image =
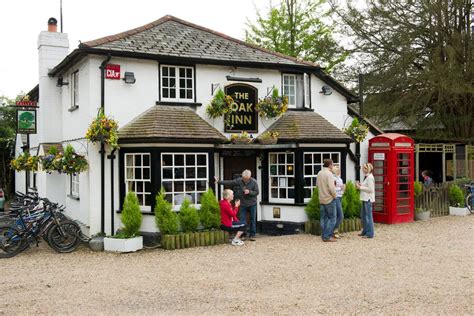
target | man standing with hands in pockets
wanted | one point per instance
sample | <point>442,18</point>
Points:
<point>246,189</point>
<point>327,200</point>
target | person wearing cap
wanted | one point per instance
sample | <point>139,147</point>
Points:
<point>367,196</point>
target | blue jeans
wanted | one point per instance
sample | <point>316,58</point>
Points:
<point>367,219</point>
<point>253,218</point>
<point>328,219</point>
<point>339,212</point>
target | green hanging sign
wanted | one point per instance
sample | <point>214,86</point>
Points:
<point>26,121</point>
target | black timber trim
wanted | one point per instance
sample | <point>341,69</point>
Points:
<point>299,177</point>
<point>176,103</point>
<point>150,140</point>
<point>243,79</point>
<point>155,164</point>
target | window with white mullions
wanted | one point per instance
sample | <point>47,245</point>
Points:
<point>281,177</point>
<point>297,88</point>
<point>75,89</point>
<point>74,185</point>
<point>138,178</point>
<point>177,83</point>
<point>312,164</point>
<point>184,176</point>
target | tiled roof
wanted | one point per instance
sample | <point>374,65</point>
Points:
<point>169,124</point>
<point>305,127</point>
<point>170,36</point>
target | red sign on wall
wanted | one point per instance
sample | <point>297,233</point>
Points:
<point>112,71</point>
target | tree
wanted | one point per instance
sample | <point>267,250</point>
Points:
<point>131,215</point>
<point>295,28</point>
<point>312,208</point>
<point>419,63</point>
<point>7,143</point>
<point>210,212</point>
<point>165,219</point>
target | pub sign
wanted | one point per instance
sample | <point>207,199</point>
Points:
<point>26,121</point>
<point>244,116</point>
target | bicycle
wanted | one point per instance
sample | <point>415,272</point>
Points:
<point>470,197</point>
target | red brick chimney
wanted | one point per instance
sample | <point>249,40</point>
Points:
<point>52,25</point>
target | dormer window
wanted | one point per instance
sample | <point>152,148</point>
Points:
<point>297,88</point>
<point>177,83</point>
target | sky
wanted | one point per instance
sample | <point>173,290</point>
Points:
<point>22,20</point>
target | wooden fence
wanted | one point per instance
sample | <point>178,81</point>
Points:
<point>436,200</point>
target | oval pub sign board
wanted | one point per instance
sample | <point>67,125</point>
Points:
<point>244,116</point>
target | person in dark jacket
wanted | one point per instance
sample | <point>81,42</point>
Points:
<point>247,191</point>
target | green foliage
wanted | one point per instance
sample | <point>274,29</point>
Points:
<point>418,188</point>
<point>456,196</point>
<point>418,61</point>
<point>358,131</point>
<point>312,208</point>
<point>131,215</point>
<point>210,213</point>
<point>7,143</point>
<point>165,219</point>
<point>189,217</point>
<point>351,203</point>
<point>296,28</point>
<point>273,106</point>
<point>221,105</point>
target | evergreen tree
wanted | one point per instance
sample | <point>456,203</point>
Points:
<point>351,203</point>
<point>165,219</point>
<point>312,208</point>
<point>210,213</point>
<point>131,215</point>
<point>7,143</point>
<point>296,28</point>
<point>188,216</point>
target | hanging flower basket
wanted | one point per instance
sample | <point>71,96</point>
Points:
<point>25,162</point>
<point>103,128</point>
<point>268,138</point>
<point>358,131</point>
<point>242,138</point>
<point>273,106</point>
<point>68,162</point>
<point>221,105</point>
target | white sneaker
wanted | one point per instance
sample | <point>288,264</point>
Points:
<point>237,242</point>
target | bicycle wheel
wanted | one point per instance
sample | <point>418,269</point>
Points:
<point>469,203</point>
<point>11,241</point>
<point>64,237</point>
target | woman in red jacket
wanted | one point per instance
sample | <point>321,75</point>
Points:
<point>229,219</point>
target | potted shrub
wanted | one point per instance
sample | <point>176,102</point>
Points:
<point>272,106</point>
<point>165,219</point>
<point>242,138</point>
<point>268,138</point>
<point>210,213</point>
<point>103,129</point>
<point>456,201</point>
<point>189,219</point>
<point>128,240</point>
<point>221,105</point>
<point>312,211</point>
<point>358,131</point>
<point>351,206</point>
<point>25,162</point>
<point>420,214</point>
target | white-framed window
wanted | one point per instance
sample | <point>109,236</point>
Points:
<point>177,83</point>
<point>138,178</point>
<point>75,89</point>
<point>281,170</point>
<point>297,88</point>
<point>312,164</point>
<point>74,185</point>
<point>184,175</point>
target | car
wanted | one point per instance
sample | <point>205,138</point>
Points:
<point>2,200</point>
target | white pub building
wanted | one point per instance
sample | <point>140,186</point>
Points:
<point>158,81</point>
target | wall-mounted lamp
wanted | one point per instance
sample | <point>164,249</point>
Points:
<point>326,90</point>
<point>61,82</point>
<point>129,77</point>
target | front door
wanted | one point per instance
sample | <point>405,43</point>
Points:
<point>234,165</point>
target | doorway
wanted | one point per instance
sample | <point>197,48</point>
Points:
<point>234,165</point>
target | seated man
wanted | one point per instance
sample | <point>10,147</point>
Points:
<point>229,220</point>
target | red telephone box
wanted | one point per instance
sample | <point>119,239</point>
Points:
<point>393,158</point>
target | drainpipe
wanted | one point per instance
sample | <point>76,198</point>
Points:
<point>102,147</point>
<point>112,211</point>
<point>361,104</point>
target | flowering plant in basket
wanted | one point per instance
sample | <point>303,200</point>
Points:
<point>268,138</point>
<point>221,105</point>
<point>272,106</point>
<point>25,162</point>
<point>103,128</point>
<point>358,131</point>
<point>242,138</point>
<point>70,162</point>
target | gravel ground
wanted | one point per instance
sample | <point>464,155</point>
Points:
<point>416,268</point>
